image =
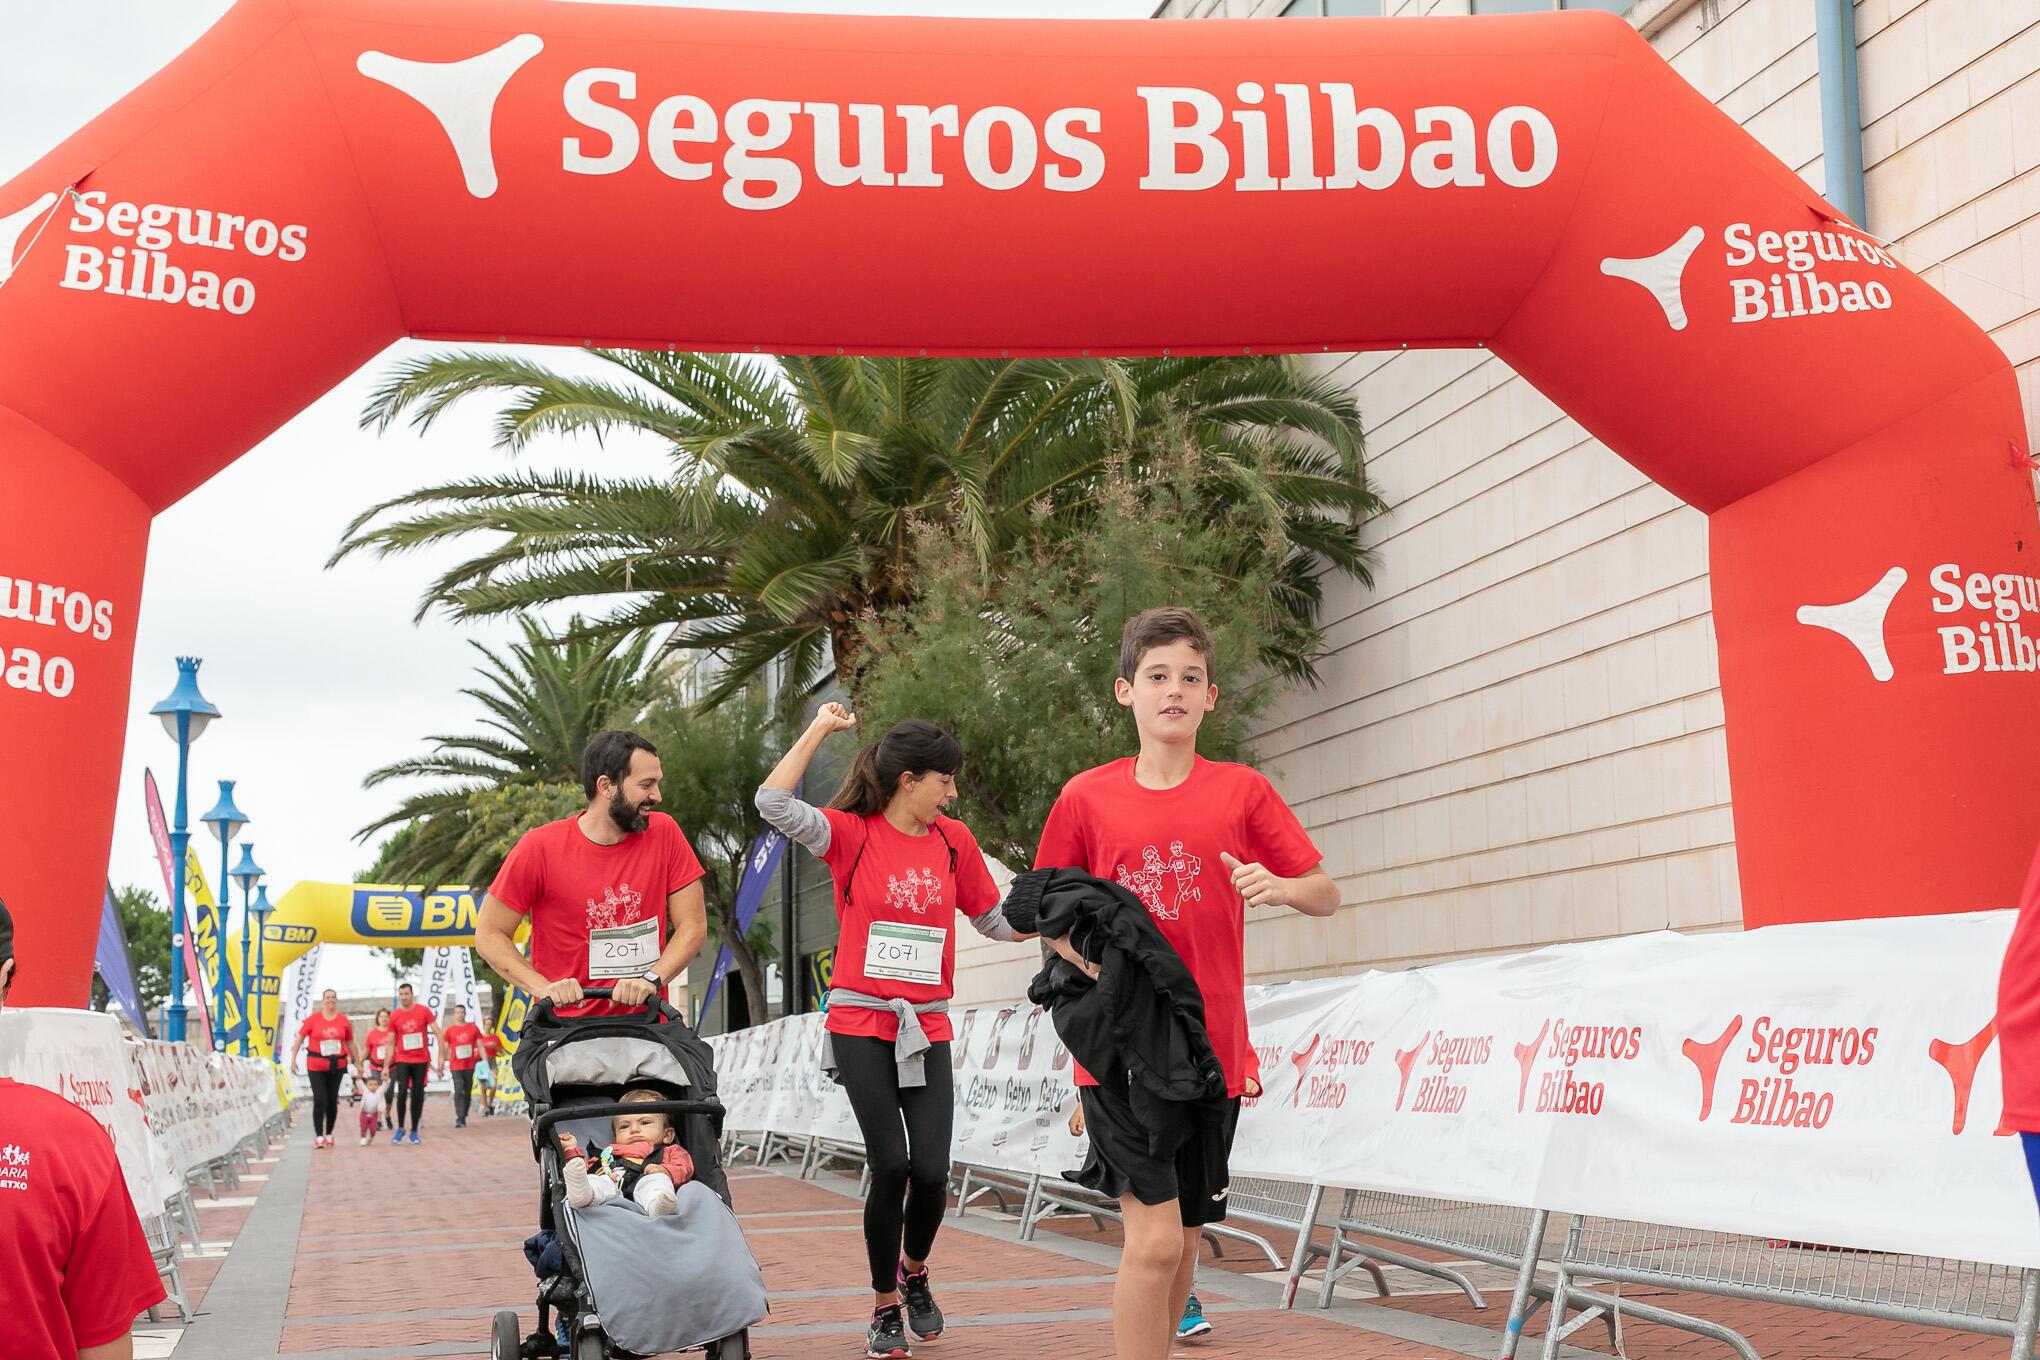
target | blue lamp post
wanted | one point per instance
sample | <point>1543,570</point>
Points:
<point>261,908</point>
<point>226,821</point>
<point>247,873</point>
<point>185,715</point>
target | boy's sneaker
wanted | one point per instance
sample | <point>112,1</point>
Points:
<point>1193,1327</point>
<point>887,1339</point>
<point>922,1314</point>
<point>414,1137</point>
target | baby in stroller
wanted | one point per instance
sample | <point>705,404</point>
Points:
<point>638,1252</point>
<point>645,1163</point>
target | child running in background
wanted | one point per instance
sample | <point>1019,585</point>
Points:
<point>644,1164</point>
<point>371,1107</point>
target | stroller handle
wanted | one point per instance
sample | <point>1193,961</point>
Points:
<point>657,1005</point>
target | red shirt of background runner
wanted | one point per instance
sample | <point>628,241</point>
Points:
<point>1163,845</point>
<point>378,1040</point>
<point>569,886</point>
<point>2018,1013</point>
<point>892,884</point>
<point>412,1019</point>
<point>76,1266</point>
<point>467,1036</point>
<point>318,1029</point>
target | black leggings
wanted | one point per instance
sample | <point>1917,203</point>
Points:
<point>408,1078</point>
<point>325,1099</point>
<point>463,1090</point>
<point>906,1144</point>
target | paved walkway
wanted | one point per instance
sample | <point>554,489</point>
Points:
<point>364,1253</point>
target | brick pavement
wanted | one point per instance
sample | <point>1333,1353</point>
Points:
<point>407,1251</point>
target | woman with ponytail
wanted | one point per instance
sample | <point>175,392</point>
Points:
<point>903,872</point>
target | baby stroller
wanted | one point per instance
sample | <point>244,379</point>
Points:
<point>629,1285</point>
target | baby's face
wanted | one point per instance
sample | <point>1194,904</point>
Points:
<point>642,1128</point>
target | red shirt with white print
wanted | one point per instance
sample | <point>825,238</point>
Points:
<point>491,1046</point>
<point>411,1031</point>
<point>598,912</point>
<point>326,1040</point>
<point>381,1046</point>
<point>76,1266</point>
<point>466,1036</point>
<point>906,887</point>
<point>1163,845</point>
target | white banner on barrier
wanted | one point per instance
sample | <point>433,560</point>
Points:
<point>1833,1083</point>
<point>295,998</point>
<point>81,1056</point>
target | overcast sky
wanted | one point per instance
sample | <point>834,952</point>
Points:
<point>320,675</point>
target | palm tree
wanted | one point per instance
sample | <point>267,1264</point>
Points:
<point>543,702</point>
<point>786,518</point>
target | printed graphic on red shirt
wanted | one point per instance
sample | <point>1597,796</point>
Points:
<point>917,891</point>
<point>1157,844</point>
<point>14,1163</point>
<point>464,1046</point>
<point>619,906</point>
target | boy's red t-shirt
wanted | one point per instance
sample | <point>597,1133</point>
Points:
<point>380,1047</point>
<point>491,1045</point>
<point>1163,845</point>
<point>903,882</point>
<point>75,1265</point>
<point>320,1033</point>
<point>463,1036</point>
<point>598,912</point>
<point>2018,1014</point>
<point>411,1030</point>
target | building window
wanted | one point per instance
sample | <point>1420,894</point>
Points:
<point>1532,6</point>
<point>1332,9</point>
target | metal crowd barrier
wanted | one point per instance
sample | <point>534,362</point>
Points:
<point>1923,1291</point>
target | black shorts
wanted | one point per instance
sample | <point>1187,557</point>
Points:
<point>1122,1162</point>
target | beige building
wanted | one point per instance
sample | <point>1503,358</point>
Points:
<point>1483,776</point>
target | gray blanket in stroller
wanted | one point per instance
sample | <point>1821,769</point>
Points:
<point>665,1284</point>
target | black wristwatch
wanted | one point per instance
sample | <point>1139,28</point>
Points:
<point>651,975</point>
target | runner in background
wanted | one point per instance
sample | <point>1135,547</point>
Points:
<point>461,1053</point>
<point>381,1045</point>
<point>331,1036</point>
<point>412,1027</point>
<point>485,1074</point>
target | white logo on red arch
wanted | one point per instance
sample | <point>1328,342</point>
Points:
<point>462,96</point>
<point>1789,274</point>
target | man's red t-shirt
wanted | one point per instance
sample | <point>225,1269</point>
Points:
<point>904,885</point>
<point>326,1040</point>
<point>1163,845</point>
<point>411,1029</point>
<point>491,1046</point>
<point>381,1047</point>
<point>461,1037</point>
<point>2018,1014</point>
<point>598,912</point>
<point>76,1267</point>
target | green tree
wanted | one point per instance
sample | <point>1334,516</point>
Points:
<point>1020,663</point>
<point>714,762</point>
<point>146,922</point>
<point>786,518</point>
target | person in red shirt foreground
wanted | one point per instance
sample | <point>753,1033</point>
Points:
<point>1199,842</point>
<point>380,1046</point>
<point>2018,1025</point>
<point>75,1268</point>
<point>412,1029</point>
<point>613,892</point>
<point>485,1074</point>
<point>903,873</point>
<point>462,1052</point>
<point>331,1036</point>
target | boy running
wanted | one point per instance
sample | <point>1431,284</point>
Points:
<point>1197,841</point>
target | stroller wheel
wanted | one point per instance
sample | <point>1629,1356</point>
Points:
<point>736,1346</point>
<point>504,1339</point>
<point>590,1347</point>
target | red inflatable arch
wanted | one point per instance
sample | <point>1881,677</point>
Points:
<point>316,178</point>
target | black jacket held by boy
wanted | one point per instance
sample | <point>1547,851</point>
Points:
<point>1144,1016</point>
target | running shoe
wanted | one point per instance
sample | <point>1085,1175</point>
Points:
<point>887,1339</point>
<point>364,1140</point>
<point>922,1314</point>
<point>460,1123</point>
<point>414,1137</point>
<point>1193,1327</point>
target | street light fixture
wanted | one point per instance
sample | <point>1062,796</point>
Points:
<point>185,714</point>
<point>247,873</point>
<point>226,821</point>
<point>261,908</point>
